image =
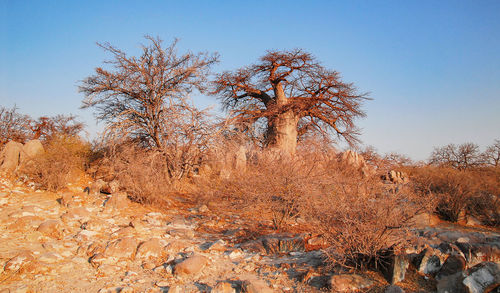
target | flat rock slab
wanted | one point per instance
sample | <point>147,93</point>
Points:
<point>191,266</point>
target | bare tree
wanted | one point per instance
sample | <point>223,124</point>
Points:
<point>462,157</point>
<point>13,126</point>
<point>492,154</point>
<point>291,94</point>
<point>46,127</point>
<point>138,98</point>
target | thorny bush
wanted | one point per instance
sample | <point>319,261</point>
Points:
<point>62,162</point>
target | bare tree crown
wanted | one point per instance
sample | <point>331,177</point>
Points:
<point>138,95</point>
<point>292,82</point>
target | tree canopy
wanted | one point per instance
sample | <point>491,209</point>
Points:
<point>294,95</point>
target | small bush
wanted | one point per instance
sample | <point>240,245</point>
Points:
<point>360,218</point>
<point>142,173</point>
<point>475,192</point>
<point>64,159</point>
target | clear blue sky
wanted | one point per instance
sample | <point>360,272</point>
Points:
<point>431,67</point>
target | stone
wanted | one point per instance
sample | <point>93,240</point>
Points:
<point>218,245</point>
<point>396,270</point>
<point>109,188</point>
<point>394,289</point>
<point>429,262</point>
<point>482,277</point>
<point>10,157</point>
<point>121,248</point>
<point>31,149</point>
<point>453,264</point>
<point>66,199</point>
<point>203,209</point>
<point>50,228</point>
<point>223,287</point>
<point>96,224</point>
<point>75,214</point>
<point>191,266</point>
<point>255,286</point>
<point>349,282</point>
<point>117,201</point>
<point>25,223</point>
<point>240,159</point>
<point>425,220</point>
<point>472,221</point>
<point>451,284</point>
<point>50,257</point>
<point>353,158</point>
<point>124,232</point>
<point>17,262</point>
<point>151,249</point>
<point>96,186</point>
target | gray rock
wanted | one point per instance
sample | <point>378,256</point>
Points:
<point>453,264</point>
<point>451,284</point>
<point>396,270</point>
<point>394,289</point>
<point>482,277</point>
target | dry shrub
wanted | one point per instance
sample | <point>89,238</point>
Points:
<point>360,217</point>
<point>64,160</point>
<point>142,173</point>
<point>475,192</point>
<point>271,185</point>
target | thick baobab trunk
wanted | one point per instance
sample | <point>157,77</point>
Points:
<point>282,129</point>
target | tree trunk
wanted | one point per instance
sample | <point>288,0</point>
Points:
<point>282,129</point>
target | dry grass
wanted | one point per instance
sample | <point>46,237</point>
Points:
<point>64,160</point>
<point>475,192</point>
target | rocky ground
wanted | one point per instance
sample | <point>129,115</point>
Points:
<point>80,242</point>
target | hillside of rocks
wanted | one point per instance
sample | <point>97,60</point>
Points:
<point>82,242</point>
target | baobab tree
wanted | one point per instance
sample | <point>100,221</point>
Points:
<point>292,94</point>
<point>144,97</point>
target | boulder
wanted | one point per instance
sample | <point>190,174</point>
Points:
<point>482,277</point>
<point>255,286</point>
<point>31,149</point>
<point>50,228</point>
<point>75,214</point>
<point>394,289</point>
<point>396,270</point>
<point>18,261</point>
<point>10,157</point>
<point>191,266</point>
<point>451,284</point>
<point>151,249</point>
<point>429,261</point>
<point>349,282</point>
<point>66,199</point>
<point>223,287</point>
<point>122,248</point>
<point>453,264</point>
<point>117,201</point>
